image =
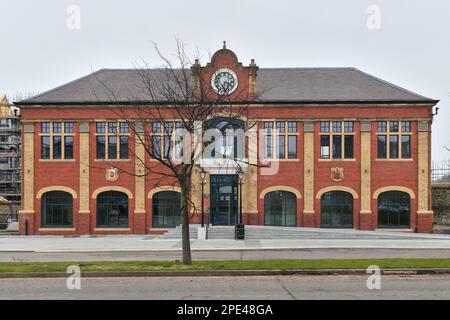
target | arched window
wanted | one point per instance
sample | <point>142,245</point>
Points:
<point>166,209</point>
<point>394,210</point>
<point>280,209</point>
<point>336,210</point>
<point>56,209</point>
<point>112,210</point>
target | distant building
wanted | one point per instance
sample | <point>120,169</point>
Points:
<point>10,177</point>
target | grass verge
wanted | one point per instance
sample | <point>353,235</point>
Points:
<point>114,266</point>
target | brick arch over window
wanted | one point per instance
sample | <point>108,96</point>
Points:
<point>164,188</point>
<point>112,188</point>
<point>280,188</point>
<point>337,188</point>
<point>56,188</point>
<point>394,188</point>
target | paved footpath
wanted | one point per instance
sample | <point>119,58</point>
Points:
<point>319,239</point>
<point>313,244</point>
<point>222,288</point>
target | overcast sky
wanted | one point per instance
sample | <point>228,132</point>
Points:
<point>409,45</point>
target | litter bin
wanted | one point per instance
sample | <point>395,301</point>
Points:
<point>239,233</point>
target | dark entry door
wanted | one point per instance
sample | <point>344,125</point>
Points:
<point>336,210</point>
<point>394,210</point>
<point>224,199</point>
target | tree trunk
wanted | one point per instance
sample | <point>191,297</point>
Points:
<point>185,238</point>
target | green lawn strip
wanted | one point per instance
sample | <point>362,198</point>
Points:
<point>223,265</point>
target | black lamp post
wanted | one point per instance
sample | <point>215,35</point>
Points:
<point>203,178</point>
<point>239,232</point>
<point>240,177</point>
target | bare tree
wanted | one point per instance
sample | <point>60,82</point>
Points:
<point>176,99</point>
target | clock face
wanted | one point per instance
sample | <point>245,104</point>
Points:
<point>224,81</point>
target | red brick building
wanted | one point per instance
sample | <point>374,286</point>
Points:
<point>351,151</point>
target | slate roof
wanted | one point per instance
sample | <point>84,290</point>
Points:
<point>279,85</point>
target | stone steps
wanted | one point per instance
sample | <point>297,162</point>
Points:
<point>3,232</point>
<point>175,233</point>
<point>267,232</point>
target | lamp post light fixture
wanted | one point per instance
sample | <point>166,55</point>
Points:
<point>240,177</point>
<point>203,178</point>
<point>239,232</point>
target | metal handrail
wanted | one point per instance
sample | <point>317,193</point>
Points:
<point>12,215</point>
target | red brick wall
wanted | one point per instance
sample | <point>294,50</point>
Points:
<point>384,173</point>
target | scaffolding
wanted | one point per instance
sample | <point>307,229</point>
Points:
<point>10,162</point>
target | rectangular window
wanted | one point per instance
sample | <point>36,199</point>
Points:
<point>168,127</point>
<point>112,147</point>
<point>337,126</point>
<point>292,126</point>
<point>112,127</point>
<point>348,126</point>
<point>406,146</point>
<point>393,146</point>
<point>156,146</point>
<point>348,147</point>
<point>339,143</point>
<point>101,127</point>
<point>280,126</point>
<point>57,150</point>
<point>68,127</point>
<point>397,140</point>
<point>124,147</point>
<point>292,147</point>
<point>53,140</point>
<point>280,147</point>
<point>268,127</point>
<point>281,143</point>
<point>45,147</point>
<point>156,127</point>
<point>381,126</point>
<point>101,150</point>
<point>178,148</point>
<point>57,127</point>
<point>123,127</point>
<point>406,126</point>
<point>325,126</point>
<point>45,127</point>
<point>179,125</point>
<point>167,146</point>
<point>68,147</point>
<point>337,147</point>
<point>112,140</point>
<point>393,126</point>
<point>325,147</point>
<point>381,146</point>
<point>268,147</point>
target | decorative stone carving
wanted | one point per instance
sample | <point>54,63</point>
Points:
<point>112,174</point>
<point>337,174</point>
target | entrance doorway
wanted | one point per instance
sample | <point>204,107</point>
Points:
<point>224,199</point>
<point>336,210</point>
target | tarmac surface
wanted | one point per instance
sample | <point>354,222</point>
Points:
<point>223,288</point>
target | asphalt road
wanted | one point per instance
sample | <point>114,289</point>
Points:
<point>331,253</point>
<point>264,288</point>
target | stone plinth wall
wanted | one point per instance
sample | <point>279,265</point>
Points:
<point>441,205</point>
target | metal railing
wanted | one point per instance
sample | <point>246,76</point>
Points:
<point>440,172</point>
<point>11,216</point>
